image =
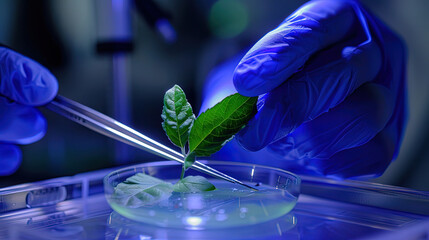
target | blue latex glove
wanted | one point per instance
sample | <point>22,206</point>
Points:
<point>331,81</point>
<point>26,84</point>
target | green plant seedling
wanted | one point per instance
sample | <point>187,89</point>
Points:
<point>196,137</point>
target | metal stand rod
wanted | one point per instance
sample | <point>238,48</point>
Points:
<point>121,103</point>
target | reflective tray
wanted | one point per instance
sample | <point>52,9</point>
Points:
<point>76,208</point>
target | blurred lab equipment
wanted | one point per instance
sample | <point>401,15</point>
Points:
<point>115,37</point>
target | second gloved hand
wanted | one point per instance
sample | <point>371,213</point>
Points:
<point>332,93</point>
<point>23,85</point>
<point>333,77</point>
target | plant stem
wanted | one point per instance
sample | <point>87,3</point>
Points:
<point>183,165</point>
<point>183,172</point>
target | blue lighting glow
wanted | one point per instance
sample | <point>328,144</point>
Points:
<point>167,31</point>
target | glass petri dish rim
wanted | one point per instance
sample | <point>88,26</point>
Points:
<point>207,162</point>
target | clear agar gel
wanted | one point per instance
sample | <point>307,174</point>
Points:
<point>230,205</point>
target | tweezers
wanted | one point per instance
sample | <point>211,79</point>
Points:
<point>109,127</point>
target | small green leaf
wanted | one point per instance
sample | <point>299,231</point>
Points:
<point>177,115</point>
<point>140,190</point>
<point>193,184</point>
<point>189,160</point>
<point>217,125</point>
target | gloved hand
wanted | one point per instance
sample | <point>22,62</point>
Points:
<point>23,85</point>
<point>331,81</point>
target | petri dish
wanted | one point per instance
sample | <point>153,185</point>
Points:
<point>230,205</point>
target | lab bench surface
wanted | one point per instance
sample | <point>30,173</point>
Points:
<point>75,208</point>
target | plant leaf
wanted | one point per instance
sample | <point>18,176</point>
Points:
<point>177,115</point>
<point>193,184</point>
<point>189,160</point>
<point>140,190</point>
<point>217,125</point>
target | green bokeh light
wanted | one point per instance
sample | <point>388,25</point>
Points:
<point>228,18</point>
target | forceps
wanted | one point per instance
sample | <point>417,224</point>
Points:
<point>109,127</point>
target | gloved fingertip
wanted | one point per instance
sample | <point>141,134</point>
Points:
<point>42,85</point>
<point>10,160</point>
<point>253,75</point>
<point>51,91</point>
<point>247,143</point>
<point>244,81</point>
<point>22,125</point>
<point>37,130</point>
<point>265,126</point>
<point>252,137</point>
<point>24,80</point>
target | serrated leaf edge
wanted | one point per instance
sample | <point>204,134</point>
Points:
<point>230,97</point>
<point>164,116</point>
